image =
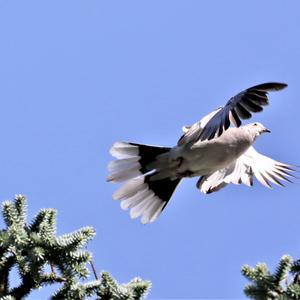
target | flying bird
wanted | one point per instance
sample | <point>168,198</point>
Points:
<point>217,149</point>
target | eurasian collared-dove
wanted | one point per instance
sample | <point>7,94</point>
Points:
<point>210,148</point>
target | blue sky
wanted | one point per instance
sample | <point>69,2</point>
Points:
<point>75,76</point>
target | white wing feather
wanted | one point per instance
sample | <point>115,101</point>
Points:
<point>191,133</point>
<point>251,163</point>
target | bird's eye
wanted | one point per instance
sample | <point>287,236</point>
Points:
<point>255,124</point>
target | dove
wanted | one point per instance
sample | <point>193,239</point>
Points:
<point>218,149</point>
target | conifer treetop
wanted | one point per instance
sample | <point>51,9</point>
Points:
<point>42,258</point>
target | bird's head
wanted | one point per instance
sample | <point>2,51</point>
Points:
<point>256,129</point>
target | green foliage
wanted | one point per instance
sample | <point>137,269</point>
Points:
<point>267,286</point>
<point>34,248</point>
<point>111,289</point>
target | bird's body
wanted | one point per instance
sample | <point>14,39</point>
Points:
<point>219,154</point>
<point>206,157</point>
<point>203,157</point>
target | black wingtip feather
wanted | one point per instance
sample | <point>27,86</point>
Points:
<point>240,107</point>
<point>220,130</point>
<point>242,112</point>
<point>226,121</point>
<point>258,97</point>
<point>236,118</point>
<point>251,105</point>
<point>269,86</point>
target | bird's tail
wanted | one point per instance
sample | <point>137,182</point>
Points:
<point>145,192</point>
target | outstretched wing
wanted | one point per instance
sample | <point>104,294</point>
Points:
<point>191,133</point>
<point>238,107</point>
<point>250,164</point>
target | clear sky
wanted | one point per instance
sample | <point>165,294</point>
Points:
<point>75,76</point>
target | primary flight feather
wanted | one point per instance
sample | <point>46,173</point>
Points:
<point>211,148</point>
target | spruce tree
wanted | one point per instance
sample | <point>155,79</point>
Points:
<point>283,284</point>
<point>42,258</point>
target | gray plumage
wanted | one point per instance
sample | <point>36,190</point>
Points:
<point>210,148</point>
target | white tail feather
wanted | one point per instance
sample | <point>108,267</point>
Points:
<point>124,175</point>
<point>130,188</point>
<point>136,196</point>
<point>140,207</point>
<point>122,150</point>
<point>157,211</point>
<point>145,193</point>
<point>123,164</point>
<point>134,200</point>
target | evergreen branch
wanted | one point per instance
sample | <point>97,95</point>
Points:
<point>38,219</point>
<point>9,213</point>
<point>295,268</point>
<point>260,275</point>
<point>255,292</point>
<point>108,287</point>
<point>21,209</point>
<point>5,268</point>
<point>34,248</point>
<point>293,291</point>
<point>282,270</point>
<point>51,278</point>
<point>267,286</point>
<point>8,298</point>
<point>76,239</point>
<point>139,288</point>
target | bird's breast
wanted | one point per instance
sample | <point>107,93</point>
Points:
<point>211,156</point>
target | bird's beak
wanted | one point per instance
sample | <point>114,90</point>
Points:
<point>267,130</point>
